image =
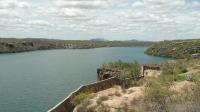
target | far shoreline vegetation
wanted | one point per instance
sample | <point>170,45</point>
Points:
<point>14,45</point>
<point>178,49</point>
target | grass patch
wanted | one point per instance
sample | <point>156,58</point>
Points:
<point>154,92</point>
<point>81,97</point>
<point>179,78</point>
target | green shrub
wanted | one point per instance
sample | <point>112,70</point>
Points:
<point>168,68</point>
<point>180,67</point>
<point>174,68</point>
<point>183,70</point>
<point>179,78</point>
<point>165,80</point>
<point>80,98</point>
<point>130,70</point>
<point>197,82</point>
<point>135,71</point>
<point>197,78</point>
<point>133,66</point>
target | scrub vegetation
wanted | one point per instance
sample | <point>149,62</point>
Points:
<point>175,48</point>
<point>176,89</point>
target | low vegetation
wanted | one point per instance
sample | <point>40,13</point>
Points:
<point>81,97</point>
<point>175,48</point>
<point>129,70</point>
<point>172,90</point>
<point>176,89</point>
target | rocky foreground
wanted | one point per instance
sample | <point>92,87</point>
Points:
<point>12,45</point>
<point>174,88</point>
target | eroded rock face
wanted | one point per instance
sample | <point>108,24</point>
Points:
<point>104,73</point>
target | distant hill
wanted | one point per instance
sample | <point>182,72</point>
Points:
<point>175,48</point>
<point>99,39</point>
<point>12,45</point>
<point>133,40</point>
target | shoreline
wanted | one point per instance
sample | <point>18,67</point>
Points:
<point>75,49</point>
<point>27,45</point>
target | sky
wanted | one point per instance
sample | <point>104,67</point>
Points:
<point>152,20</point>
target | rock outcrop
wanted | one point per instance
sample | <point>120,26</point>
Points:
<point>104,73</point>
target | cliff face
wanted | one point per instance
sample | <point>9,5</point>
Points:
<point>175,48</point>
<point>12,45</point>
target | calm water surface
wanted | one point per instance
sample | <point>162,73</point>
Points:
<point>36,81</point>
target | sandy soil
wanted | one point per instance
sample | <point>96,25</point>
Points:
<point>115,101</point>
<point>178,87</point>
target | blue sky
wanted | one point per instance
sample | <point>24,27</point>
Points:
<point>110,19</point>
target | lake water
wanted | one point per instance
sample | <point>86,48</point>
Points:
<point>36,81</point>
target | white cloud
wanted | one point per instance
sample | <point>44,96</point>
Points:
<point>100,22</point>
<point>82,4</point>
<point>149,19</point>
<point>137,4</point>
<point>13,4</point>
<point>4,13</point>
<point>71,12</point>
<point>39,23</point>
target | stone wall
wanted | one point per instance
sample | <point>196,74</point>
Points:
<point>104,73</point>
<point>148,67</point>
<point>67,106</point>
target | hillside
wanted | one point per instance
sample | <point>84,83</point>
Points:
<point>99,39</point>
<point>175,48</point>
<point>174,88</point>
<point>12,45</point>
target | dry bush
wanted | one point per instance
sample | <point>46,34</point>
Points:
<point>130,91</point>
<point>103,108</point>
<point>124,90</point>
<point>156,95</point>
<point>101,99</point>
<point>117,93</point>
<point>111,94</point>
<point>83,106</point>
<point>124,107</point>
